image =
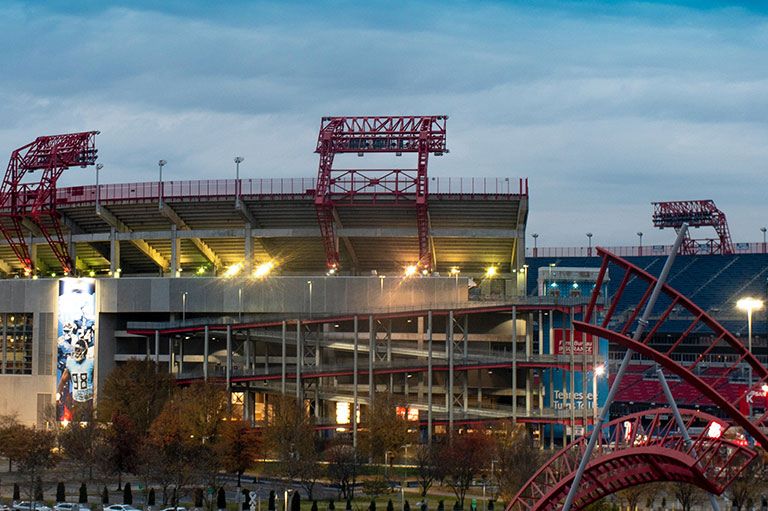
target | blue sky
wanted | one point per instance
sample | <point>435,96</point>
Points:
<point>604,106</point>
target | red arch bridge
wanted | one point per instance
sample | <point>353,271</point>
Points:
<point>641,448</point>
<point>654,449</point>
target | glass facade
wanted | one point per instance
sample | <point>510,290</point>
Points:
<point>16,343</point>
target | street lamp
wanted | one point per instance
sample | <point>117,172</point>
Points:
<point>238,161</point>
<point>535,236</point>
<point>749,304</point>
<point>100,166</point>
<point>161,164</point>
<point>589,238</point>
<point>184,306</point>
<point>598,372</point>
<point>309,282</point>
<point>640,235</point>
<point>763,229</point>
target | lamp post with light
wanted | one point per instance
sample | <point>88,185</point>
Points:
<point>749,304</point>
<point>589,238</point>
<point>161,164</point>
<point>598,372</point>
<point>238,161</point>
<point>100,166</point>
<point>640,249</point>
<point>535,236</point>
<point>763,229</point>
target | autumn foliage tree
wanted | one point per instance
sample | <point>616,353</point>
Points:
<point>384,430</point>
<point>517,459</point>
<point>463,459</point>
<point>238,446</point>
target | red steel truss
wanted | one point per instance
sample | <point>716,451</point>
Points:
<point>391,187</point>
<point>636,449</point>
<point>673,306</point>
<point>36,201</point>
<point>696,213</point>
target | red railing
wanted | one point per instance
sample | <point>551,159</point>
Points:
<point>754,247</point>
<point>296,187</point>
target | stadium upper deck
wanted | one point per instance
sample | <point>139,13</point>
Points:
<point>191,226</point>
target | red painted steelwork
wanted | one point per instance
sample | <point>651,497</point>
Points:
<point>388,134</point>
<point>36,201</point>
<point>696,213</point>
<point>636,449</point>
<point>674,306</point>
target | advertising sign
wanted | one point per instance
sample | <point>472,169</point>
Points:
<point>75,344</point>
<point>581,342</point>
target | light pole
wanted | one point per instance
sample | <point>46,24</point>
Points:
<point>763,229</point>
<point>239,305</point>
<point>749,304</point>
<point>100,166</point>
<point>535,236</point>
<point>309,283</point>
<point>598,372</point>
<point>238,161</point>
<point>184,306</point>
<point>640,250</point>
<point>589,238</point>
<point>161,164</point>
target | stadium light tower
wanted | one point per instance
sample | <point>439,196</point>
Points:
<point>589,238</point>
<point>640,250</point>
<point>749,304</point>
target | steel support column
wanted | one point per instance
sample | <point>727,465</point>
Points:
<point>355,401</point>
<point>206,351</point>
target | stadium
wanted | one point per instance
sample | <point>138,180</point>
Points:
<point>340,288</point>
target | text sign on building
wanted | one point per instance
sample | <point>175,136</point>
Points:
<point>76,350</point>
<point>581,342</point>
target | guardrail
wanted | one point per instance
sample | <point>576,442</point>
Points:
<point>753,247</point>
<point>283,187</point>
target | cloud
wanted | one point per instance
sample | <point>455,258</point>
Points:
<point>604,107</point>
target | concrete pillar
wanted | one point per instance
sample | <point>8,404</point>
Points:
<point>429,377</point>
<point>114,251</point>
<point>449,390</point>
<point>175,252</point>
<point>355,402</point>
<point>157,349</point>
<point>229,358</point>
<point>206,351</point>
<point>248,249</point>
<point>371,359</point>
<point>299,359</point>
<point>283,359</point>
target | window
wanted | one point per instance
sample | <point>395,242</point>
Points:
<point>16,342</point>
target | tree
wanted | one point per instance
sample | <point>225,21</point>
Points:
<point>135,389</point>
<point>466,457</point>
<point>271,501</point>
<point>105,496</point>
<point>16,492</point>
<point>331,505</point>
<point>314,506</point>
<point>390,505</point>
<point>127,494</point>
<point>120,447</point>
<point>221,499</point>
<point>517,460</point>
<point>33,452</point>
<point>343,466</point>
<point>81,441</point>
<point>632,495</point>
<point>385,430</point>
<point>686,494</point>
<point>290,436</point>
<point>8,426</point>
<point>39,489</point>
<point>238,446</point>
<point>372,505</point>
<point>427,466</point>
<point>747,487</point>
<point>407,506</point>
<point>151,498</point>
<point>83,494</point>
<point>60,493</point>
<point>296,502</point>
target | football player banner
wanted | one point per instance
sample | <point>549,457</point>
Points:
<point>75,342</point>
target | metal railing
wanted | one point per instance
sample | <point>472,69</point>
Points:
<point>754,247</point>
<point>285,187</point>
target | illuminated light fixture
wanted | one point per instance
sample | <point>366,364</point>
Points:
<point>425,271</point>
<point>765,387</point>
<point>410,270</point>
<point>263,269</point>
<point>336,325</point>
<point>53,274</point>
<point>454,271</point>
<point>599,370</point>
<point>491,271</point>
<point>554,284</point>
<point>715,430</point>
<point>34,277</point>
<point>749,304</point>
<point>233,270</point>
<point>91,273</point>
<point>343,413</point>
<point>551,265</point>
<point>201,270</point>
<point>575,285</point>
<point>331,271</point>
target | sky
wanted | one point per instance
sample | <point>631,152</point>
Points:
<point>604,106</point>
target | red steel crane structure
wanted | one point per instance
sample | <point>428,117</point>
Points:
<point>696,213</point>
<point>35,202</point>
<point>388,187</point>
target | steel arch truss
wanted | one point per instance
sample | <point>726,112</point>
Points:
<point>388,187</point>
<point>726,384</point>
<point>35,202</point>
<point>640,448</point>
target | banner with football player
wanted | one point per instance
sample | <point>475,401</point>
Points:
<point>76,348</point>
